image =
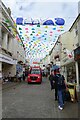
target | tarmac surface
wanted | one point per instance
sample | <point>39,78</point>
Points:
<point>22,100</point>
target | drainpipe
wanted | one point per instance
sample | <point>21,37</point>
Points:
<point>65,73</point>
<point>77,76</point>
<point>0,71</point>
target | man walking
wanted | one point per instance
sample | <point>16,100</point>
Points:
<point>61,86</point>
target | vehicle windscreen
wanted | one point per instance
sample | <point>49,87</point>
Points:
<point>35,71</point>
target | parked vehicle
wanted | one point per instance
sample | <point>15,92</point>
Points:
<point>35,75</point>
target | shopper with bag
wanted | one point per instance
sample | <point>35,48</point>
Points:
<point>61,87</point>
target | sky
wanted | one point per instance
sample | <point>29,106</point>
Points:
<point>42,10</point>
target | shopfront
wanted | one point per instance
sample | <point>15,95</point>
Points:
<point>71,73</point>
<point>69,69</point>
<point>7,65</point>
<point>77,60</point>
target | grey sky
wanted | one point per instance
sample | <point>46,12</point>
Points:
<point>44,9</point>
<point>32,9</point>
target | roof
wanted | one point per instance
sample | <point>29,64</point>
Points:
<point>74,22</point>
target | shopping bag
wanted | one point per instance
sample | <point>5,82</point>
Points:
<point>67,96</point>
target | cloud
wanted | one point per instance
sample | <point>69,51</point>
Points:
<point>29,7</point>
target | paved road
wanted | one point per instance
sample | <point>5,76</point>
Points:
<point>34,101</point>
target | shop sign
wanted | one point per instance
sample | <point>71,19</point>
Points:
<point>35,62</point>
<point>6,59</point>
<point>66,60</point>
<point>77,53</point>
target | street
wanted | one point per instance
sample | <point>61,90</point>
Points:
<point>34,101</point>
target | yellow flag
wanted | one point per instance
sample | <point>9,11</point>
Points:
<point>39,32</point>
<point>61,26</point>
<point>46,26</point>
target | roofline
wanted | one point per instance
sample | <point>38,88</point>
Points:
<point>54,45</point>
<point>74,22</point>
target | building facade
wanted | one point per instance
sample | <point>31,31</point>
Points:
<point>12,53</point>
<point>66,51</point>
<point>76,27</point>
<point>55,52</point>
<point>70,42</point>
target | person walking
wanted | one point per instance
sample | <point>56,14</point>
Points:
<point>9,77</point>
<point>51,77</point>
<point>56,94</point>
<point>23,75</point>
<point>61,86</point>
<point>53,82</point>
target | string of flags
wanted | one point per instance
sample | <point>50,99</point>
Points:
<point>37,39</point>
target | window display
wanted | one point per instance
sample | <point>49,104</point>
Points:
<point>71,73</point>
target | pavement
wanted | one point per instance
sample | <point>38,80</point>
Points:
<point>7,85</point>
<point>34,101</point>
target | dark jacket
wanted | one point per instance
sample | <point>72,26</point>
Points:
<point>55,79</point>
<point>51,78</point>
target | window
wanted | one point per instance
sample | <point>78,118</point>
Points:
<point>3,38</point>
<point>76,31</point>
<point>71,74</point>
<point>35,71</point>
<point>8,42</point>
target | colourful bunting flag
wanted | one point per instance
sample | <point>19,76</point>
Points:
<point>33,32</point>
<point>58,30</point>
<point>7,21</point>
<point>38,25</point>
<point>37,35</point>
<point>39,32</point>
<point>33,29</point>
<point>46,26</point>
<point>54,28</point>
<point>26,28</point>
<point>36,38</point>
<point>61,26</point>
<point>20,28</point>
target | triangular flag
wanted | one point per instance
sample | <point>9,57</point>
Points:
<point>20,28</point>
<point>46,26</point>
<point>38,25</point>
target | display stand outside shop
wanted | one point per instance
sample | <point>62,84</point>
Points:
<point>72,90</point>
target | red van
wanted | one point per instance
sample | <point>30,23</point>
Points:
<point>35,75</point>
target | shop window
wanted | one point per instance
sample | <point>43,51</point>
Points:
<point>3,38</point>
<point>79,72</point>
<point>8,40</point>
<point>71,74</point>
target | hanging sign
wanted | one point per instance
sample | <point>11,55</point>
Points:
<point>38,22</point>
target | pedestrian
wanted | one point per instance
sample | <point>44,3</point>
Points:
<point>23,75</point>
<point>61,86</point>
<point>9,77</point>
<point>56,91</point>
<point>53,82</point>
<point>51,77</point>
